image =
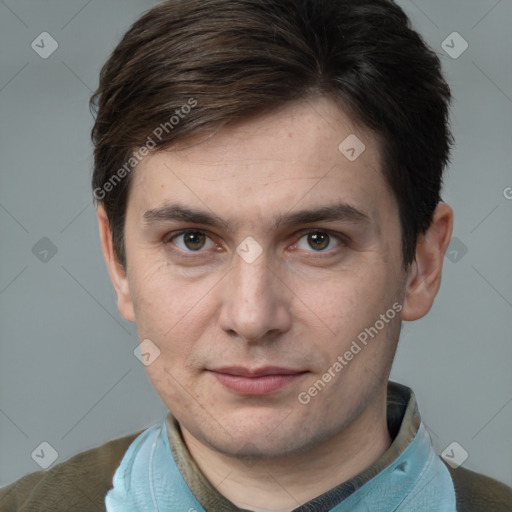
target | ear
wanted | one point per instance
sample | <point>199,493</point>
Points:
<point>116,270</point>
<point>424,277</point>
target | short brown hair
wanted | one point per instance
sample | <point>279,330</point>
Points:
<point>230,59</point>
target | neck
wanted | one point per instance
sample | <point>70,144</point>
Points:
<point>290,481</point>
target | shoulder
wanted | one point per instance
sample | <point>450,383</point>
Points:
<point>479,493</point>
<point>78,484</point>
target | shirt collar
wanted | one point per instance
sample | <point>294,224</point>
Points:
<point>403,421</point>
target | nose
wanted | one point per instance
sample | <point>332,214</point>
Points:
<point>256,303</point>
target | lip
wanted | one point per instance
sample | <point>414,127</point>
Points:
<point>258,381</point>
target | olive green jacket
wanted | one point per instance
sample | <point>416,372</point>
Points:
<point>81,483</point>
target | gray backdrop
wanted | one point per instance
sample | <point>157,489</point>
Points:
<point>68,376</point>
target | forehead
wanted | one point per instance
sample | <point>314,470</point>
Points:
<point>306,154</point>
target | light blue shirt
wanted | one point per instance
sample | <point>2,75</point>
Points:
<point>148,480</point>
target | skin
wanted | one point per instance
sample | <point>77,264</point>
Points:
<point>299,305</point>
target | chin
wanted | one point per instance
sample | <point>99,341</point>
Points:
<point>259,433</point>
<point>256,447</point>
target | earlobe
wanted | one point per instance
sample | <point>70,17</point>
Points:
<point>115,268</point>
<point>424,278</point>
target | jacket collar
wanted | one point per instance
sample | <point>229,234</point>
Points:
<point>403,421</point>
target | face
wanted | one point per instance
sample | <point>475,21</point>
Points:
<point>257,260</point>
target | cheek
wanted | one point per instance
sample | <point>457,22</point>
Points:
<point>174,388</point>
<point>169,310</point>
<point>349,299</point>
<point>351,307</point>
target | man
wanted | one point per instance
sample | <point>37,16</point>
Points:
<point>267,176</point>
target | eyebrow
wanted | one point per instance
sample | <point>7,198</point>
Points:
<point>336,212</point>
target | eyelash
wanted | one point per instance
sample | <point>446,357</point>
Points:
<point>341,239</point>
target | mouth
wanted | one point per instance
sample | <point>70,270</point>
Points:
<point>258,381</point>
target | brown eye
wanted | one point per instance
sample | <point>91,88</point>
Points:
<point>318,241</point>
<point>192,241</point>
